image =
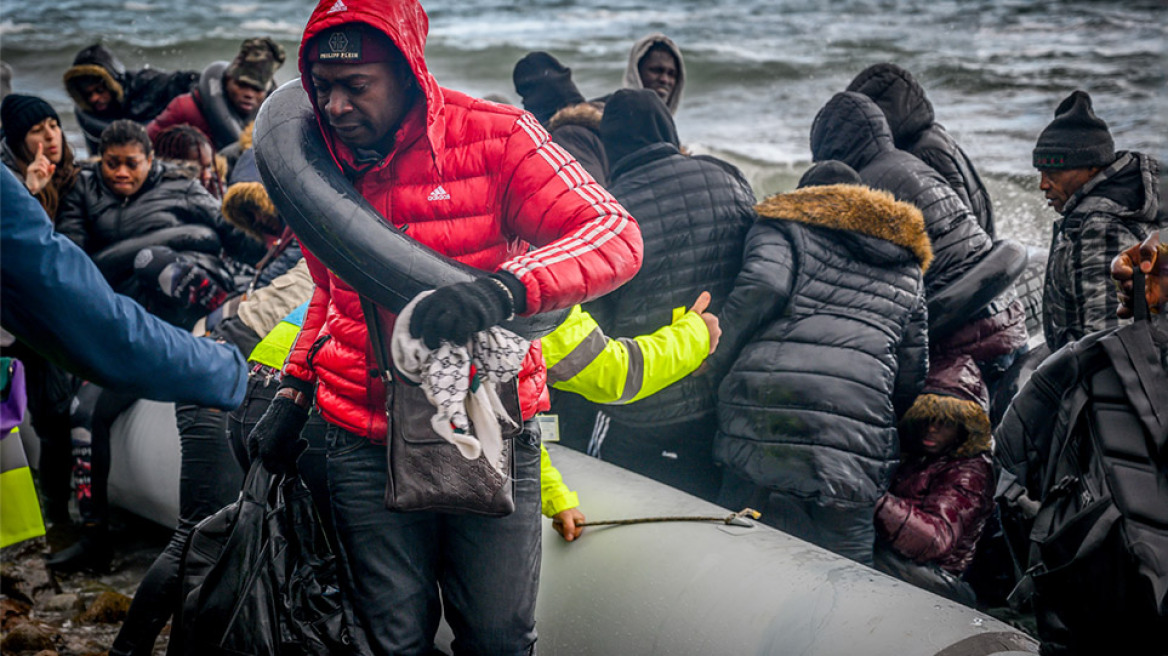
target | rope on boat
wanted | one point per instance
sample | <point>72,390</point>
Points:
<point>733,519</point>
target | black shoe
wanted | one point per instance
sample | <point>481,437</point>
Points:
<point>88,553</point>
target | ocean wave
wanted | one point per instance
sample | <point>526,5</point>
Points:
<point>232,9</point>
<point>137,6</point>
<point>8,27</point>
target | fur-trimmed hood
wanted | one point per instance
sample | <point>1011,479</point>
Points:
<point>248,207</point>
<point>854,208</point>
<point>954,392</point>
<point>96,61</point>
<point>586,114</point>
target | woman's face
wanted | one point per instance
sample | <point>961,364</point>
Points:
<point>124,167</point>
<point>46,135</point>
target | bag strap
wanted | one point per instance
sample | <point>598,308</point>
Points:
<point>377,338</point>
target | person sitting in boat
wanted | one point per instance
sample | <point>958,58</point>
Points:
<point>103,91</point>
<point>1107,199</point>
<point>694,214</point>
<point>34,148</point>
<point>910,117</point>
<point>155,233</point>
<point>929,522</point>
<point>547,90</point>
<point>970,286</point>
<point>187,149</point>
<point>655,64</point>
<point>227,95</point>
<point>824,341</point>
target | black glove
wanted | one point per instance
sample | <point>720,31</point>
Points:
<point>276,437</point>
<point>455,312</point>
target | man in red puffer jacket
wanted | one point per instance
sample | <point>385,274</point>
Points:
<point>484,184</point>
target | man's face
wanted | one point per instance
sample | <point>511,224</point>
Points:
<point>1059,185</point>
<point>658,71</point>
<point>124,167</point>
<point>97,95</point>
<point>363,103</point>
<point>243,96</point>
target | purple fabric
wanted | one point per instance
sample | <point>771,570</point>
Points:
<point>12,408</point>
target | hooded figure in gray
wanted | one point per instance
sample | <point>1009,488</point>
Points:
<point>645,71</point>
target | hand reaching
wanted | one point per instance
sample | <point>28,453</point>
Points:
<point>39,172</point>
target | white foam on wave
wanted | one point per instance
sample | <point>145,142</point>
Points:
<point>137,6</point>
<point>271,26</point>
<point>8,27</point>
<point>237,9</point>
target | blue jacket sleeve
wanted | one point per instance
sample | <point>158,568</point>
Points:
<point>54,299</point>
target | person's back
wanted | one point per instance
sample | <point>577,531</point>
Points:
<point>851,128</point>
<point>694,215</point>
<point>824,339</point>
<point>103,91</point>
<point>914,130</point>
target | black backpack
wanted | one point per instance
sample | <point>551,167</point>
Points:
<point>1098,547</point>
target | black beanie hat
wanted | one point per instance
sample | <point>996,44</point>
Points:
<point>256,62</point>
<point>545,85</point>
<point>829,172</point>
<point>1076,138</point>
<point>20,113</point>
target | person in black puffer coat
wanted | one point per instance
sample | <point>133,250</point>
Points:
<point>167,210</point>
<point>910,117</point>
<point>103,91</point>
<point>825,341</point>
<point>694,213</point>
<point>547,90</point>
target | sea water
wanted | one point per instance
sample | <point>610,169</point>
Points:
<point>757,70</point>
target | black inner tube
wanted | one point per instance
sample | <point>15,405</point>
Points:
<point>333,221</point>
<point>954,306</point>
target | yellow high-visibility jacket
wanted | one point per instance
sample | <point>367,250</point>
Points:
<point>580,358</point>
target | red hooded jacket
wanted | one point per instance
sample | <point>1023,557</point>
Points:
<point>474,180</point>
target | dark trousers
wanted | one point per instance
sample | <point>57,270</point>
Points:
<point>845,528</point>
<point>208,480</point>
<point>407,568</point>
<point>680,455</point>
<point>94,412</point>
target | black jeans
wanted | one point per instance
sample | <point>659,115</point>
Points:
<point>485,569</point>
<point>94,411</point>
<point>209,480</point>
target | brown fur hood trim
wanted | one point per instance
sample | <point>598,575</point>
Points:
<point>857,209</point>
<point>246,137</point>
<point>585,114</point>
<point>248,207</point>
<point>970,415</point>
<point>91,70</point>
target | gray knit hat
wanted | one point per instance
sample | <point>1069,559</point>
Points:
<point>1076,138</point>
<point>256,62</point>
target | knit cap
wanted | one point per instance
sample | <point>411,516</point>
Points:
<point>545,85</point>
<point>257,62</point>
<point>829,172</point>
<point>20,113</point>
<point>1076,138</point>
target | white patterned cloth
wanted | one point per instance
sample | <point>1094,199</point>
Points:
<point>467,407</point>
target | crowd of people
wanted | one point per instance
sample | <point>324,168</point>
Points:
<point>827,356</point>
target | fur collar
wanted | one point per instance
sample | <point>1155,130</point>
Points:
<point>968,414</point>
<point>854,208</point>
<point>584,114</point>
<point>91,70</point>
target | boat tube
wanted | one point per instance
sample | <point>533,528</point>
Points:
<point>338,226</point>
<point>116,261</point>
<point>677,588</point>
<point>954,306</point>
<point>225,125</point>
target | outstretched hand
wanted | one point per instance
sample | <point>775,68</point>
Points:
<point>710,320</point>
<point>39,172</point>
<point>1147,257</point>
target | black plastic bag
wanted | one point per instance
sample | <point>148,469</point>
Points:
<point>259,578</point>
